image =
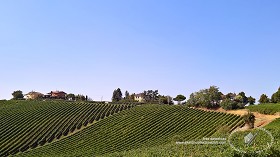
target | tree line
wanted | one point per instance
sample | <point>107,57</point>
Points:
<point>149,96</point>
<point>210,98</point>
<point>275,98</point>
<point>213,98</point>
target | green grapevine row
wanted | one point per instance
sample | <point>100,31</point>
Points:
<point>28,124</point>
<point>141,126</point>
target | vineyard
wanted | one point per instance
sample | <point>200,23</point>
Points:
<point>29,124</point>
<point>139,127</point>
<point>173,150</point>
<point>265,108</point>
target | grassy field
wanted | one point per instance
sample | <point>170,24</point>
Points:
<point>29,124</point>
<point>265,108</point>
<point>140,127</point>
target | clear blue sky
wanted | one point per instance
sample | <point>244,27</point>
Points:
<point>178,47</point>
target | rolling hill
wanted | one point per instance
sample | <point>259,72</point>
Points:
<point>138,128</point>
<point>29,124</point>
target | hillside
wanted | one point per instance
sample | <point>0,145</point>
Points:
<point>140,127</point>
<point>29,124</point>
<point>271,109</point>
<point>173,150</point>
<point>261,119</point>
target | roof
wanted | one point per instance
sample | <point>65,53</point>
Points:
<point>56,92</point>
<point>33,92</point>
<point>139,95</point>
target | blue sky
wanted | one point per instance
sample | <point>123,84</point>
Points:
<point>178,47</point>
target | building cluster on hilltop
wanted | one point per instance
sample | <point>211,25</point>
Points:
<point>51,95</point>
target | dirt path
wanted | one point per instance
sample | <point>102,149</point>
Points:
<point>261,119</point>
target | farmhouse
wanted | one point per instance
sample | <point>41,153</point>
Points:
<point>33,95</point>
<point>139,97</point>
<point>56,95</point>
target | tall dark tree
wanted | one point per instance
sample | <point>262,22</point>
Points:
<point>117,95</point>
<point>179,98</point>
<point>17,95</point>
<point>263,99</point>
<point>251,100</point>
<point>127,95</point>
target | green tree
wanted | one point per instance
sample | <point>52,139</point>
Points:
<point>238,98</point>
<point>193,100</point>
<point>165,100</point>
<point>127,96</point>
<point>117,95</point>
<point>244,98</point>
<point>209,98</point>
<point>179,98</point>
<point>275,98</point>
<point>151,96</point>
<point>70,96</point>
<point>251,100</point>
<point>17,95</point>
<point>214,96</point>
<point>263,99</point>
<point>80,97</point>
<point>231,96</point>
<point>229,104</point>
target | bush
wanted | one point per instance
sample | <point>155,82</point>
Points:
<point>249,119</point>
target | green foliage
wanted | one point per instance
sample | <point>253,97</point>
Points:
<point>232,101</point>
<point>28,124</point>
<point>17,95</point>
<point>229,104</point>
<point>80,97</point>
<point>275,98</point>
<point>249,119</point>
<point>71,96</point>
<point>117,95</point>
<point>165,100</point>
<point>251,100</point>
<point>244,98</point>
<point>209,98</point>
<point>265,108</point>
<point>263,99</point>
<point>179,98</point>
<point>140,127</point>
<point>127,95</point>
<point>151,96</point>
<point>230,96</point>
